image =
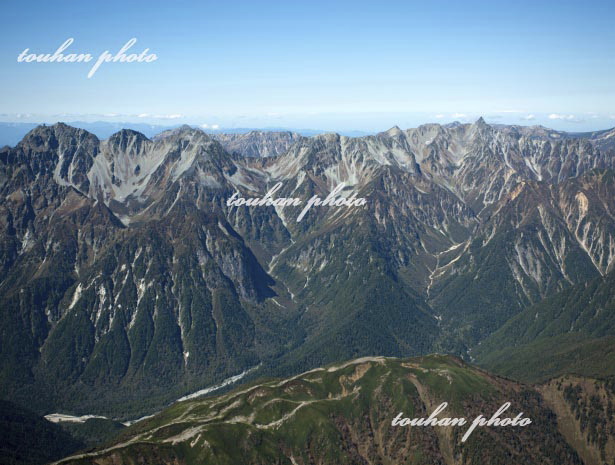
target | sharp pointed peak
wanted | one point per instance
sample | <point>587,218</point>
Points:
<point>394,131</point>
<point>480,122</point>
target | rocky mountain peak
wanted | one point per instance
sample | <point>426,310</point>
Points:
<point>127,141</point>
<point>46,137</point>
<point>480,122</point>
<point>183,132</point>
<point>480,126</point>
<point>394,132</point>
<point>258,144</point>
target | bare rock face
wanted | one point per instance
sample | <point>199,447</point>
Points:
<point>258,144</point>
<point>126,276</point>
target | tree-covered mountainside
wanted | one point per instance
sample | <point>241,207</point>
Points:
<point>128,281</point>
<point>570,332</point>
<point>342,414</point>
<point>541,239</point>
<point>27,439</point>
<point>93,431</point>
<point>585,409</point>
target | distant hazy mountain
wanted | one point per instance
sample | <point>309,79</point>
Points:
<point>128,282</point>
<point>12,133</point>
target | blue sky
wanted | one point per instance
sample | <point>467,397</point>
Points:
<point>319,64</point>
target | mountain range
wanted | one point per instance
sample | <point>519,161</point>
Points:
<point>128,282</point>
<point>12,132</point>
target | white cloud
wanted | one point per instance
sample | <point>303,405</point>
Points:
<point>204,125</point>
<point>459,115</point>
<point>142,115</point>
<point>439,116</point>
<point>562,117</point>
<point>528,117</point>
<point>215,126</point>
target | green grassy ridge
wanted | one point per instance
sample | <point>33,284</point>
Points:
<point>342,414</point>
